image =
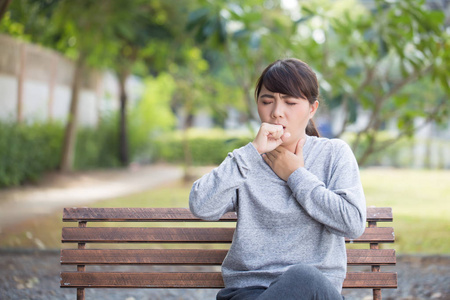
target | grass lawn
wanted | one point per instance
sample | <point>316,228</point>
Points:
<point>419,199</point>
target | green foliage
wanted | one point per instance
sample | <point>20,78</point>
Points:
<point>97,147</point>
<point>12,28</point>
<point>26,151</point>
<point>207,149</point>
<point>386,61</point>
<point>152,115</point>
<point>248,35</point>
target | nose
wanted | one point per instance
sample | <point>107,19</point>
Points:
<point>277,110</point>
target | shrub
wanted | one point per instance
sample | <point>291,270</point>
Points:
<point>26,151</point>
<point>208,150</point>
<point>98,147</point>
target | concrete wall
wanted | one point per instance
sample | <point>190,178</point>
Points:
<point>40,79</point>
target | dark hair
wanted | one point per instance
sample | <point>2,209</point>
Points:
<point>291,77</point>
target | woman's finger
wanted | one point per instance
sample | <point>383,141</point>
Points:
<point>271,155</point>
<point>267,160</point>
<point>274,131</point>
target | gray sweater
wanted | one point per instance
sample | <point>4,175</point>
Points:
<point>280,224</point>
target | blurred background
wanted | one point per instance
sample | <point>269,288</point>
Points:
<point>120,91</point>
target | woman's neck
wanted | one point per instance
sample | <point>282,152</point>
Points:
<point>293,146</point>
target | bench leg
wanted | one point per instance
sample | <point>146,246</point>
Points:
<point>80,294</point>
<point>376,294</point>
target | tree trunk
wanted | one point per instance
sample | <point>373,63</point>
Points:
<point>20,82</point>
<point>123,136</point>
<point>4,7</point>
<point>68,151</point>
<point>188,122</point>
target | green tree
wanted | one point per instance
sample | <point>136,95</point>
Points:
<point>249,35</point>
<point>122,35</point>
<point>145,30</point>
<point>367,60</point>
<point>83,32</point>
<point>4,7</point>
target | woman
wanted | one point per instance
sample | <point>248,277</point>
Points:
<point>296,196</point>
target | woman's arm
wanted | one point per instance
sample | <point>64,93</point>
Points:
<point>216,193</point>
<point>341,206</point>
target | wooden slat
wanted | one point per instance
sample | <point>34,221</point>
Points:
<point>376,214</point>
<point>194,256</point>
<point>377,280</point>
<point>141,280</point>
<point>185,235</point>
<point>375,235</point>
<point>143,256</point>
<point>197,280</point>
<point>135,215</point>
<point>146,235</point>
<point>371,257</point>
<point>379,214</point>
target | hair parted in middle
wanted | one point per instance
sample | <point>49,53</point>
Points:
<point>291,77</point>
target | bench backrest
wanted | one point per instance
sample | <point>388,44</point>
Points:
<point>190,230</point>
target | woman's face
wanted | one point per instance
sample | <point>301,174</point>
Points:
<point>290,112</point>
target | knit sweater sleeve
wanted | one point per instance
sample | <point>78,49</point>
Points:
<point>216,193</point>
<point>340,206</point>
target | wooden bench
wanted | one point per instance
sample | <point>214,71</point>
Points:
<point>185,233</point>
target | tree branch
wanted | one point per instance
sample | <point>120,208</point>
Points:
<point>397,87</point>
<point>374,122</point>
<point>429,119</point>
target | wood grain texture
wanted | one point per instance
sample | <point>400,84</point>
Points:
<point>373,257</point>
<point>194,257</point>
<point>186,235</point>
<point>142,280</point>
<point>143,256</point>
<point>135,215</point>
<point>147,235</point>
<point>378,214</point>
<point>375,235</point>
<point>378,280</point>
<point>197,280</point>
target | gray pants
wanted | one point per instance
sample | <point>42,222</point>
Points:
<point>298,282</point>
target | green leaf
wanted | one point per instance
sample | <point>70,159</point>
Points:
<point>197,17</point>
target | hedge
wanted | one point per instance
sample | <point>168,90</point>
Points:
<point>204,151</point>
<point>26,151</point>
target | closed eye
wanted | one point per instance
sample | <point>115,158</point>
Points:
<point>290,100</point>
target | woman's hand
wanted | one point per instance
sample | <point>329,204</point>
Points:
<point>269,137</point>
<point>283,162</point>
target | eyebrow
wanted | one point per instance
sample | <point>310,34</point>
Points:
<point>267,96</point>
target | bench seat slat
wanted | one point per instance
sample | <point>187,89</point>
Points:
<point>184,235</point>
<point>371,257</point>
<point>133,214</point>
<point>146,235</point>
<point>194,256</point>
<point>361,280</point>
<point>143,256</point>
<point>141,280</point>
<point>197,280</point>
<point>376,214</point>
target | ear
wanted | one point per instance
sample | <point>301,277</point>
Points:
<point>313,109</point>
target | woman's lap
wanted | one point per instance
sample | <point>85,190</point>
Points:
<point>298,282</point>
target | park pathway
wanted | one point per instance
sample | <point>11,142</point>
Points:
<point>56,191</point>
